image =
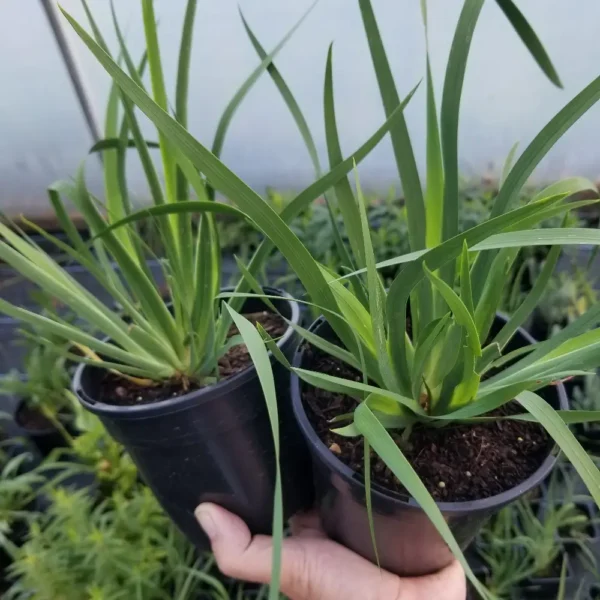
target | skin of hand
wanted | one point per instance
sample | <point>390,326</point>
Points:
<point>313,567</point>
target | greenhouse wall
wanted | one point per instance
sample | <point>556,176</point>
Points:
<point>43,135</point>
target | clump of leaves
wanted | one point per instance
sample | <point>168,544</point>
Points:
<point>123,548</point>
<point>18,489</point>
<point>45,378</point>
<point>569,295</point>
<point>96,453</point>
<point>586,393</point>
<point>530,538</point>
<point>151,340</point>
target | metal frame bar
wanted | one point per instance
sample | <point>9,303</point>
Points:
<point>68,56</point>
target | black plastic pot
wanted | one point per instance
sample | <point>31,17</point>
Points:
<point>45,440</point>
<point>546,588</point>
<point>214,444</point>
<point>407,542</point>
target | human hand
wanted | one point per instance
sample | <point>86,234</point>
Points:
<point>313,567</point>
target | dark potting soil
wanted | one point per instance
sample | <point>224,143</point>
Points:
<point>122,392</point>
<point>456,463</point>
<point>31,419</point>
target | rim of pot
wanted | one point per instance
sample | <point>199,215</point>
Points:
<point>171,405</point>
<point>20,402</point>
<point>482,504</point>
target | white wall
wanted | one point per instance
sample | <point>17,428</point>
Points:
<point>506,98</point>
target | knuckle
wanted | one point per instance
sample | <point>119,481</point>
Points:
<point>302,581</point>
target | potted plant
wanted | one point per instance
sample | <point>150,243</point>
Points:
<point>43,411</point>
<point>169,377</point>
<point>522,553</point>
<point>445,358</point>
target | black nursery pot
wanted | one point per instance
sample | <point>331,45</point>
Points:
<point>407,543</point>
<point>45,439</point>
<point>214,444</point>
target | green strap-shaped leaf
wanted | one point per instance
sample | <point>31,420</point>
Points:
<point>570,186</point>
<point>262,364</point>
<point>376,295</point>
<point>530,39</point>
<point>159,92</point>
<point>570,417</point>
<point>459,310</point>
<point>566,441</point>
<point>203,307</point>
<point>529,160</point>
<point>466,293</point>
<point>343,192</point>
<point>531,301</point>
<point>241,93</point>
<point>182,85</point>
<point>434,192</point>
<point>453,86</point>
<point>491,298</point>
<point>381,441</point>
<point>273,347</point>
<point>356,389</point>
<point>313,191</point>
<point>368,498</point>
<point>423,351</point>
<point>508,163</point>
<point>403,151</point>
<point>116,142</point>
<point>116,201</point>
<point>187,207</point>
<point>356,315</point>
<point>222,178</point>
<point>304,130</point>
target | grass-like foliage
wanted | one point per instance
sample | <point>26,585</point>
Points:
<point>450,284</point>
<point>45,377</point>
<point>174,333</point>
<point>121,548</point>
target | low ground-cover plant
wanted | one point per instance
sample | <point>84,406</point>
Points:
<point>569,295</point>
<point>122,548</point>
<point>520,546</point>
<point>18,490</point>
<point>40,388</point>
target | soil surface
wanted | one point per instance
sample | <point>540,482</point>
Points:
<point>32,419</point>
<point>122,392</point>
<point>456,463</point>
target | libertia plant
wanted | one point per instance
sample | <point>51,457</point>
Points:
<point>145,336</point>
<point>179,336</point>
<point>450,283</point>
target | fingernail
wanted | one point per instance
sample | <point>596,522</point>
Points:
<point>206,521</point>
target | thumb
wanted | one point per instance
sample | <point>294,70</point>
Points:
<point>238,554</point>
